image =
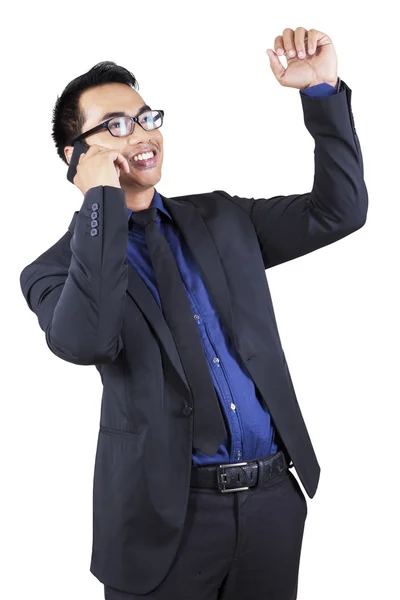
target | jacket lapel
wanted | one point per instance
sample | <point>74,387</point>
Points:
<point>197,236</point>
<point>145,300</point>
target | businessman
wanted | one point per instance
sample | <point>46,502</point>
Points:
<point>193,497</point>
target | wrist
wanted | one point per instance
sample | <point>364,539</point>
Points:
<point>332,82</point>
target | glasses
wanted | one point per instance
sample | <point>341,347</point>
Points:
<point>122,126</point>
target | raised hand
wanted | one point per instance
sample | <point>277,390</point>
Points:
<point>311,58</point>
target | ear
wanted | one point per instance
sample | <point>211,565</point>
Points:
<point>68,150</point>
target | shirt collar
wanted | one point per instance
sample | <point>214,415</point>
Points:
<point>155,203</point>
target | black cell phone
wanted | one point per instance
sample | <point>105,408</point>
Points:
<point>79,147</point>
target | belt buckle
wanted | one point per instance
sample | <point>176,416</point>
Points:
<point>221,477</point>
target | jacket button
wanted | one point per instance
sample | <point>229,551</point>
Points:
<point>93,232</point>
<point>95,206</point>
<point>187,411</point>
<point>94,215</point>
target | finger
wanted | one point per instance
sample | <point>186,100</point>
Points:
<point>322,39</point>
<point>288,43</point>
<point>94,149</point>
<point>312,36</point>
<point>299,41</point>
<point>276,66</point>
<point>122,162</point>
<point>278,45</point>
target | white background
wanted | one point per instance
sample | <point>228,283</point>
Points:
<point>337,308</point>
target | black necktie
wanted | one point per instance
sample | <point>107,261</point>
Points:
<point>209,429</point>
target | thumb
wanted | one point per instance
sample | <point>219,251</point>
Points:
<point>276,66</point>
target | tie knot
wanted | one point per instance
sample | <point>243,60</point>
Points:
<point>143,217</point>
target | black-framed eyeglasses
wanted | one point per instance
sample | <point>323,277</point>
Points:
<point>122,126</point>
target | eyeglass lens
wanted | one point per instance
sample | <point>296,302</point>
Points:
<point>120,126</point>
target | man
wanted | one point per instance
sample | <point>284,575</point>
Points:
<point>193,496</point>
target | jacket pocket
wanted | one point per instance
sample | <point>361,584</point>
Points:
<point>117,432</point>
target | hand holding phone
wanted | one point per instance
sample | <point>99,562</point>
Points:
<point>95,165</point>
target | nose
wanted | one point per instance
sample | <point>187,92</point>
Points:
<point>138,133</point>
<point>140,137</point>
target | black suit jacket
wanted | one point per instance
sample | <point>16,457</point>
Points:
<point>95,309</point>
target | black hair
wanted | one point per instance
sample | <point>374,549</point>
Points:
<point>67,118</point>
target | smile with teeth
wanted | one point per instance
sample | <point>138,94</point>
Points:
<point>145,156</point>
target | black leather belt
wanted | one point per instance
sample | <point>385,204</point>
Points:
<point>236,477</point>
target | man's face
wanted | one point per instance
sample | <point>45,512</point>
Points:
<point>112,97</point>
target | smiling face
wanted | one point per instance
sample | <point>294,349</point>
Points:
<point>95,104</point>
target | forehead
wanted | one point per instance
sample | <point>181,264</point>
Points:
<point>95,102</point>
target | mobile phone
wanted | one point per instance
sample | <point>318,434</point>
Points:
<point>79,148</point>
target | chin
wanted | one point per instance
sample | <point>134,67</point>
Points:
<point>150,181</point>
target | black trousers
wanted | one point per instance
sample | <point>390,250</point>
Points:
<point>237,546</point>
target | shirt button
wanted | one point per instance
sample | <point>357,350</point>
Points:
<point>196,317</point>
<point>95,206</point>
<point>215,360</point>
<point>93,232</point>
<point>233,407</point>
<point>187,410</point>
<point>94,215</point>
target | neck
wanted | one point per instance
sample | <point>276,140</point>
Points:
<point>139,200</point>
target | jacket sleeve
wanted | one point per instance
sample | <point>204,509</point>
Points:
<point>290,226</point>
<point>77,288</point>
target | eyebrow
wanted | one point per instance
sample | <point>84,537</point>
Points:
<point>112,114</point>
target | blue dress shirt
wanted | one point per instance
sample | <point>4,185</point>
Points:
<point>322,89</point>
<point>251,433</point>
